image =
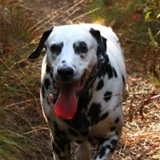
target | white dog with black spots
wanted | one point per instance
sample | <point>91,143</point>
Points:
<point>82,83</point>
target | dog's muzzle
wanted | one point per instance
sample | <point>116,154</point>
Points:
<point>70,89</point>
<point>65,74</point>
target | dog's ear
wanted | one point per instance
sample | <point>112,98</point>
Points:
<point>102,45</point>
<point>40,46</point>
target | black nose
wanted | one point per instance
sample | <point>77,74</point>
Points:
<point>65,73</point>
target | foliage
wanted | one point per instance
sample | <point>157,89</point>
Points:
<point>16,33</point>
<point>137,23</point>
<point>152,15</point>
<point>15,21</point>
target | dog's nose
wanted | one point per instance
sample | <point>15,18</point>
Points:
<point>65,73</point>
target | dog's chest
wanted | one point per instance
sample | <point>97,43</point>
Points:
<point>88,123</point>
<point>81,130</point>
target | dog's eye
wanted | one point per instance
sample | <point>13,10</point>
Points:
<point>80,47</point>
<point>56,48</point>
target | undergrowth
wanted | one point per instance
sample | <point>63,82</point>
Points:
<point>137,23</point>
<point>23,132</point>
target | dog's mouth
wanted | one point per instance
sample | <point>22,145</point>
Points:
<point>67,101</point>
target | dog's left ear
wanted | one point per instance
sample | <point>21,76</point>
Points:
<point>102,45</point>
<point>40,46</point>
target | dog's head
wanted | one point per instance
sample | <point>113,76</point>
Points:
<point>72,53</point>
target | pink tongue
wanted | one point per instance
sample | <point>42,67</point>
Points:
<point>66,104</point>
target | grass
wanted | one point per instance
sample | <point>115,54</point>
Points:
<point>12,144</point>
<point>19,100</point>
<point>23,131</point>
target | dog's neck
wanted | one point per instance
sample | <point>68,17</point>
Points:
<point>94,74</point>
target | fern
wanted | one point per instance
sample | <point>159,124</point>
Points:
<point>15,21</point>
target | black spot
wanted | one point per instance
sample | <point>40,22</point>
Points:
<point>109,71</point>
<point>114,72</point>
<point>123,80</point>
<point>80,121</point>
<point>56,48</point>
<point>47,83</point>
<point>48,69</point>
<point>107,96</point>
<point>116,120</point>
<point>100,85</point>
<point>51,74</point>
<point>73,132</point>
<point>104,116</point>
<point>106,68</point>
<point>111,148</point>
<point>113,142</point>
<point>112,128</point>
<point>84,99</point>
<point>102,152</point>
<point>117,133</point>
<point>94,112</point>
<point>104,43</point>
<point>80,47</point>
<point>43,91</point>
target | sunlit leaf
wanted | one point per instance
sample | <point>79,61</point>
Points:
<point>158,16</point>
<point>148,15</point>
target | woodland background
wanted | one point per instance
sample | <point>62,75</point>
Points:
<point>24,134</point>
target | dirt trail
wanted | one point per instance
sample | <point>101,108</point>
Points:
<point>141,133</point>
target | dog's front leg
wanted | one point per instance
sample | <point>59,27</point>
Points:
<point>60,143</point>
<point>61,149</point>
<point>106,148</point>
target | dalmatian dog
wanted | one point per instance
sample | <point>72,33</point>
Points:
<point>83,77</point>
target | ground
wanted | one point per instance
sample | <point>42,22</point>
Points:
<point>24,132</point>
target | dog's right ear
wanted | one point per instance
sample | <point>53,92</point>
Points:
<point>102,46</point>
<point>40,46</point>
